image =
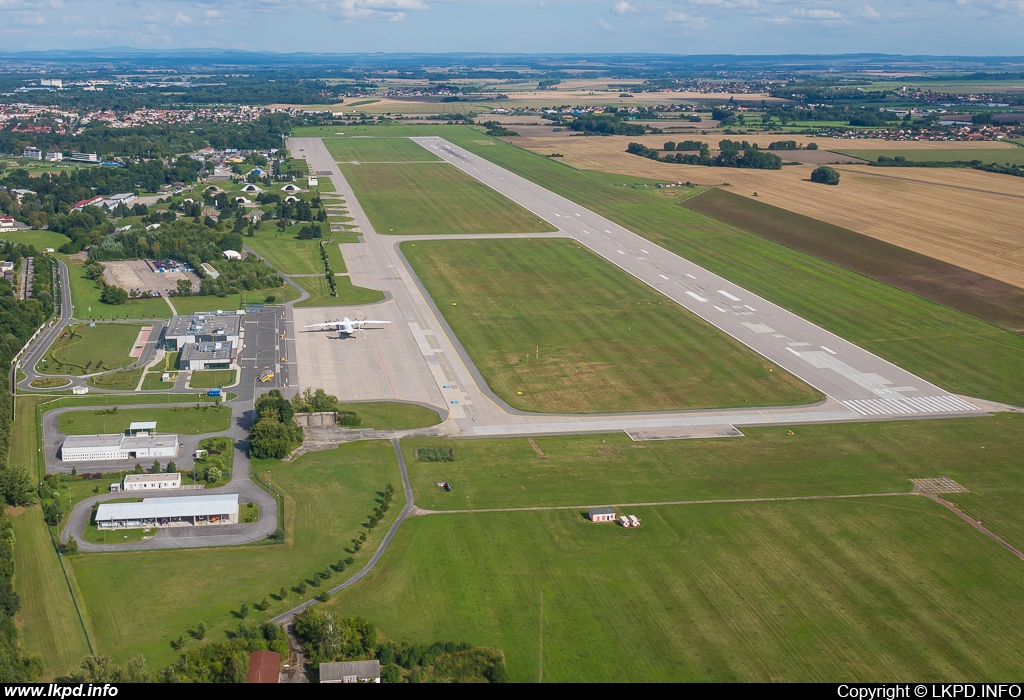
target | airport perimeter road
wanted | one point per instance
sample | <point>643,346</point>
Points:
<point>861,381</point>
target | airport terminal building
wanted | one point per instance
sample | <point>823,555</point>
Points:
<point>206,339</point>
<point>220,509</point>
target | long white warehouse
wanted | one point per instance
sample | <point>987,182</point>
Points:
<point>103,448</point>
<point>219,509</point>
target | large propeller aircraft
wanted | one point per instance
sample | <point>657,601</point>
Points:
<point>345,326</point>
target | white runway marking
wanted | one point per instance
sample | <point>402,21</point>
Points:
<point>719,308</point>
<point>794,352</point>
<point>663,277</point>
<point>696,296</point>
<point>747,306</point>
<point>830,352</point>
<point>728,296</point>
<point>620,252</point>
<point>690,276</point>
<point>645,252</point>
<point>908,405</point>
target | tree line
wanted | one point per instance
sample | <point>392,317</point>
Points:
<point>732,154</point>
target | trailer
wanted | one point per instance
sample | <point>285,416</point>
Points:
<point>634,521</point>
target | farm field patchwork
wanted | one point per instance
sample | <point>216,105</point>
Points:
<point>186,420</point>
<point>974,294</point>
<point>434,198</point>
<point>951,349</point>
<point>794,591</point>
<point>328,494</point>
<point>82,349</point>
<point>961,216</point>
<point>553,327</point>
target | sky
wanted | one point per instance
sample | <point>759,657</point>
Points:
<point>961,27</point>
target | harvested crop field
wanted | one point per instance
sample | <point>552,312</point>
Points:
<point>964,217</point>
<point>986,298</point>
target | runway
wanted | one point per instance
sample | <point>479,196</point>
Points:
<point>420,346</point>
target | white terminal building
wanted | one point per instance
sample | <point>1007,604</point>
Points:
<point>141,442</point>
<point>206,339</point>
<point>221,509</point>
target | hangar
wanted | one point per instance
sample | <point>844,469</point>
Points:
<point>220,509</point>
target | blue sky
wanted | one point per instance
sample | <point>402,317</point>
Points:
<point>967,27</point>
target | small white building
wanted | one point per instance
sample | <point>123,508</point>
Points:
<point>312,182</point>
<point>232,255</point>
<point>152,482</point>
<point>209,270</point>
<point>6,222</point>
<point>602,515</point>
<point>142,427</point>
<point>54,156</point>
<point>33,153</point>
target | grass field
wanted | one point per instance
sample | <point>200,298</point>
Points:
<point>48,620</point>
<point>989,155</point>
<point>435,199</point>
<point>292,256</point>
<point>874,589</point>
<point>392,415</point>
<point>378,150</point>
<point>40,239</point>
<point>606,342</point>
<point>212,378</point>
<point>49,382</point>
<point>328,495</point>
<point>983,297</point>
<point>154,381</point>
<point>951,349</point>
<point>348,294</point>
<point>86,299</point>
<point>183,420</point>
<point>82,350</point>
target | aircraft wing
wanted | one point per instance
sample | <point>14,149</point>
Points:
<point>361,323</point>
<point>322,325</point>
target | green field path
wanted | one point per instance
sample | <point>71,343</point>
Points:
<point>555,328</point>
<point>434,198</point>
<point>48,620</point>
<point>805,591</point>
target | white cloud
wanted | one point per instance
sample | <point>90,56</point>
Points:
<point>868,12</point>
<point>182,18</point>
<point>213,14</point>
<point>818,13</point>
<point>381,10</point>
<point>621,7</point>
<point>605,25</point>
<point>686,21</point>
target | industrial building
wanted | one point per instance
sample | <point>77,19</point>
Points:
<point>106,448</point>
<point>198,356</point>
<point>220,509</point>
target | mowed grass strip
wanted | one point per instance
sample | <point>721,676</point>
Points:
<point>185,420</point>
<point>377,150</point>
<point>211,378</point>
<point>49,623</point>
<point>392,415</point>
<point>82,350</point>
<point>951,349</point>
<point>435,198</point>
<point>555,328</point>
<point>880,589</point>
<point>328,496</point>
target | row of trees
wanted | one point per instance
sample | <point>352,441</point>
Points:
<point>732,154</point>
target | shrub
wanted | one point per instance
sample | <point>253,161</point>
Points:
<point>825,175</point>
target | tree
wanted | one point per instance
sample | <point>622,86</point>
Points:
<point>183,288</point>
<point>72,546</point>
<point>172,467</point>
<point>156,466</point>
<point>390,674</point>
<point>16,486</point>
<point>53,513</point>
<point>200,631</point>
<point>243,610</point>
<point>825,175</point>
<point>113,295</point>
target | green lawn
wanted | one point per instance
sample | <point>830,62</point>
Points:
<point>124,381</point>
<point>212,378</point>
<point>183,420</point>
<point>49,382</point>
<point>378,150</point>
<point>328,495</point>
<point>881,589</point>
<point>86,298</point>
<point>48,620</point>
<point>951,349</point>
<point>292,256</point>
<point>40,239</point>
<point>435,198</point>
<point>83,350</point>
<point>985,155</point>
<point>154,381</point>
<point>392,415</point>
<point>606,342</point>
<point>348,294</point>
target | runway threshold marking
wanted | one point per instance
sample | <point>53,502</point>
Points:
<point>696,296</point>
<point>728,296</point>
